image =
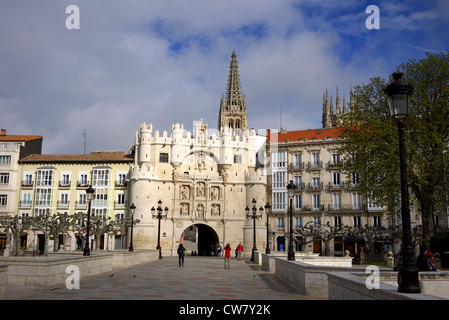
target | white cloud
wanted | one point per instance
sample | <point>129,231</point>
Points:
<point>168,61</point>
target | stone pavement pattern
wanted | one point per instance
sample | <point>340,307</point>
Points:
<point>202,278</point>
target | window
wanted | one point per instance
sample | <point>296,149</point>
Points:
<point>26,198</point>
<point>102,213</point>
<point>355,178</point>
<point>336,179</point>
<point>5,160</point>
<point>100,177</point>
<point>298,222</point>
<point>377,221</point>
<point>43,197</point>
<point>279,200</point>
<point>163,157</point>
<point>316,183</point>
<point>121,198</point>
<point>298,202</point>
<point>44,178</point>
<point>121,179</point>
<point>279,179</point>
<point>41,212</point>
<point>335,158</point>
<point>100,198</point>
<point>357,222</point>
<point>83,180</point>
<point>316,202</point>
<point>316,222</point>
<point>28,179</point>
<point>315,160</point>
<point>65,180</point>
<point>337,222</point>
<point>298,181</point>
<point>4,178</point>
<point>82,198</point>
<point>356,201</point>
<point>297,160</point>
<point>237,158</point>
<point>281,223</point>
<point>64,198</point>
<point>336,201</point>
<point>279,159</point>
<point>3,200</point>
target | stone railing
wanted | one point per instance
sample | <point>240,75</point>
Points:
<point>43,271</point>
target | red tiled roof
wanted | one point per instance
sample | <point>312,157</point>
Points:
<point>108,156</point>
<point>10,138</point>
<point>305,135</point>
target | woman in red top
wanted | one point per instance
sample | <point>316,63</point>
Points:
<point>227,257</point>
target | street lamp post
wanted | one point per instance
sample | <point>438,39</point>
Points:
<point>254,216</point>
<point>291,187</point>
<point>132,211</point>
<point>159,216</point>
<point>399,92</point>
<point>267,210</point>
<point>90,195</point>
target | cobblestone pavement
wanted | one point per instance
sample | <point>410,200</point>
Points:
<point>202,278</point>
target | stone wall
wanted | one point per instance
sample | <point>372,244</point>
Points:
<point>43,271</point>
<point>352,286</point>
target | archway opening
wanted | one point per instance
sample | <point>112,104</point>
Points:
<point>200,239</point>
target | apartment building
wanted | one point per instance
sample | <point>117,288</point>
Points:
<point>50,184</point>
<point>324,194</point>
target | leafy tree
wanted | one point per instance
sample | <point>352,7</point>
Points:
<point>371,146</point>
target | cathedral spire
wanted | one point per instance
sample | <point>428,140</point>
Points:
<point>233,106</point>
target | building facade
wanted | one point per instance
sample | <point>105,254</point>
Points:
<point>205,179</point>
<point>12,149</point>
<point>56,184</point>
<point>324,194</point>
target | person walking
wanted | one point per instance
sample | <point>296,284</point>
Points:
<point>421,261</point>
<point>181,254</point>
<point>227,256</point>
<point>239,252</point>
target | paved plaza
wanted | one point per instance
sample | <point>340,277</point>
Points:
<point>202,278</point>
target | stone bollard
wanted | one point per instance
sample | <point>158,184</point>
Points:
<point>390,260</point>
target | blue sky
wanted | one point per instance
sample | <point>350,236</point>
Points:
<point>167,61</point>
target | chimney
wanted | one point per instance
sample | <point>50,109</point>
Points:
<point>3,132</point>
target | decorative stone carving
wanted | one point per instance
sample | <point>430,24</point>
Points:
<point>215,210</point>
<point>215,193</point>
<point>184,209</point>
<point>200,189</point>
<point>185,192</point>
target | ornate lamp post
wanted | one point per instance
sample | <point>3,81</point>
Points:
<point>399,92</point>
<point>132,211</point>
<point>267,211</point>
<point>254,216</point>
<point>90,195</point>
<point>159,216</point>
<point>291,193</point>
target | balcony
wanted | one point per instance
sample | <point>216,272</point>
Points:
<point>25,204</point>
<point>64,185</point>
<point>120,205</point>
<point>296,167</point>
<point>62,204</point>
<point>82,184</point>
<point>336,186</point>
<point>315,187</point>
<point>27,184</point>
<point>315,165</point>
<point>80,205</point>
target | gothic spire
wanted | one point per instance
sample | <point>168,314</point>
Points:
<point>233,107</point>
